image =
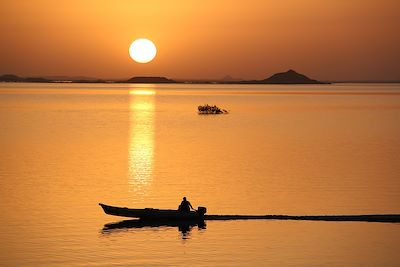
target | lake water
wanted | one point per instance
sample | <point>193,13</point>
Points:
<point>310,149</point>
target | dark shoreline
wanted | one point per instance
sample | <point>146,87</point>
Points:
<point>289,77</point>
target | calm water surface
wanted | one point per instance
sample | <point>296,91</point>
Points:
<point>330,149</point>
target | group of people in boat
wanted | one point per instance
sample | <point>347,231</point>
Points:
<point>211,109</point>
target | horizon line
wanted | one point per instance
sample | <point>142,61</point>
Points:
<point>88,79</point>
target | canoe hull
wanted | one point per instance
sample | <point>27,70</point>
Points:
<point>151,214</point>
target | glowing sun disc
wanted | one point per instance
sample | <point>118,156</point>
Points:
<point>142,50</point>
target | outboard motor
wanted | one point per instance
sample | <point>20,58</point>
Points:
<point>201,211</point>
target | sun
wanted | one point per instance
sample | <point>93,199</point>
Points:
<point>142,50</point>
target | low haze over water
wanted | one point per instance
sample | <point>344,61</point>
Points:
<point>298,149</point>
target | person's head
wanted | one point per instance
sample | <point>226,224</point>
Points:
<point>184,198</point>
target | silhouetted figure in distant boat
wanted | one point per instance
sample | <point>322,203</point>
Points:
<point>185,206</point>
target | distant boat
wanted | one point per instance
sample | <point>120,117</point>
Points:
<point>207,109</point>
<point>154,214</point>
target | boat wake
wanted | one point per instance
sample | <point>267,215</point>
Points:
<point>387,218</point>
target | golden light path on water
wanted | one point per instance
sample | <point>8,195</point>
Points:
<point>141,139</point>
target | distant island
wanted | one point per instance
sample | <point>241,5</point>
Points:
<point>146,79</point>
<point>288,77</point>
<point>15,78</point>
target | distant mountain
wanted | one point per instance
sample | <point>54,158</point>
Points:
<point>15,78</point>
<point>288,77</point>
<point>10,78</point>
<point>144,79</point>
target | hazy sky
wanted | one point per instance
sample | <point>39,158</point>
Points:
<point>324,39</point>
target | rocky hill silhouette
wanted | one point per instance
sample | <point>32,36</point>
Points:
<point>288,77</point>
<point>144,79</point>
<point>15,78</point>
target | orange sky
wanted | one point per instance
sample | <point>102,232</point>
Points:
<point>324,39</point>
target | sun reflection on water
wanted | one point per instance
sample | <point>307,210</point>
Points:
<point>141,139</point>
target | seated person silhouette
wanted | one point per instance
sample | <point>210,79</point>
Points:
<point>185,206</point>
